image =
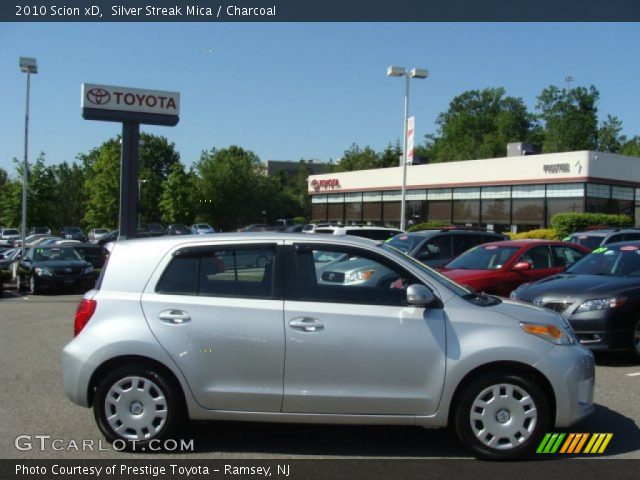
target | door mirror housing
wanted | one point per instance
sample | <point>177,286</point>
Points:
<point>419,295</point>
<point>521,267</point>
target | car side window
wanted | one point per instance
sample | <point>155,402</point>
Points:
<point>436,247</point>
<point>537,257</point>
<point>335,275</point>
<point>565,256</point>
<point>220,272</point>
<point>462,243</point>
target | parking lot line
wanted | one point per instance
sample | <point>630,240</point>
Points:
<point>635,374</point>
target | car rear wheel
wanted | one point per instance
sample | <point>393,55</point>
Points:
<point>502,416</point>
<point>136,405</point>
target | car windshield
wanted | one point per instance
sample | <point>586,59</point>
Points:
<point>10,232</point>
<point>73,230</point>
<point>438,277</point>
<point>484,257</point>
<point>59,253</point>
<point>404,243</point>
<point>621,261</point>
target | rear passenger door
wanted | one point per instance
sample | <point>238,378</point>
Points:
<point>218,311</point>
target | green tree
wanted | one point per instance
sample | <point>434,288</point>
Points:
<point>631,147</point>
<point>610,138</point>
<point>177,203</point>
<point>479,124</point>
<point>102,184</point>
<point>391,155</point>
<point>231,187</point>
<point>356,158</point>
<point>69,195</point>
<point>570,118</point>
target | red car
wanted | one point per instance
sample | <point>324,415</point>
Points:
<point>500,267</point>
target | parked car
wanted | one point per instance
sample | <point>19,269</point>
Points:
<point>599,296</point>
<point>254,227</point>
<point>8,236</point>
<point>73,233</point>
<point>112,236</point>
<point>310,227</point>
<point>436,248</point>
<point>593,239</point>
<point>429,353</point>
<point>155,230</point>
<point>202,229</point>
<point>96,234</point>
<point>364,231</point>
<point>54,267</point>
<point>178,229</point>
<point>39,230</point>
<point>498,268</point>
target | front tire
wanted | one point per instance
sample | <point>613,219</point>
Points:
<point>634,347</point>
<point>136,405</point>
<point>502,416</point>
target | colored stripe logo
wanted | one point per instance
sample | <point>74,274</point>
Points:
<point>573,443</point>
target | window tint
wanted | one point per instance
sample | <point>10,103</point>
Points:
<point>437,247</point>
<point>235,272</point>
<point>372,234</point>
<point>565,256</point>
<point>484,257</point>
<point>537,257</point>
<point>462,243</point>
<point>350,277</point>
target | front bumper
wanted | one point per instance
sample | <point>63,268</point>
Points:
<point>61,282</point>
<point>603,329</point>
<point>571,372</point>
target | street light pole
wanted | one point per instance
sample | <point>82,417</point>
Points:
<point>28,66</point>
<point>414,73</point>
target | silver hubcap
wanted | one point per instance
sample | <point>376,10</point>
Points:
<point>32,284</point>
<point>136,408</point>
<point>503,416</point>
<point>636,337</point>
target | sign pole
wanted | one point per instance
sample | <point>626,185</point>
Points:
<point>129,180</point>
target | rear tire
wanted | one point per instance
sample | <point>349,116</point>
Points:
<point>137,405</point>
<point>502,416</point>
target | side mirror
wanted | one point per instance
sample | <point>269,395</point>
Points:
<point>521,267</point>
<point>419,295</point>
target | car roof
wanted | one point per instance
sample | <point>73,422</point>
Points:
<point>457,231</point>
<point>618,245</point>
<point>529,242</point>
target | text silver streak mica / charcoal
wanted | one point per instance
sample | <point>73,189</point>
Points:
<point>182,327</point>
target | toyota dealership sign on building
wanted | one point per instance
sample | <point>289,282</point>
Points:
<point>107,97</point>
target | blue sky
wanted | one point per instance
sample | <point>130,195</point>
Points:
<point>288,91</point>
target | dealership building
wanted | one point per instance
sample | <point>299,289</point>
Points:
<point>515,193</point>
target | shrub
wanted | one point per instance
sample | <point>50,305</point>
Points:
<point>428,226</point>
<point>541,234</point>
<point>568,223</point>
<point>298,220</point>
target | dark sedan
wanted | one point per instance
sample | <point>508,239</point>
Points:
<point>599,296</point>
<point>54,267</point>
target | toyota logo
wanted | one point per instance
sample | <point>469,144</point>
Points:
<point>98,96</point>
<point>67,270</point>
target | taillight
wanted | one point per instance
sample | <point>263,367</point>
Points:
<point>85,310</point>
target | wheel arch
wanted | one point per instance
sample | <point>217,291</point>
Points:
<point>508,368</point>
<point>133,360</point>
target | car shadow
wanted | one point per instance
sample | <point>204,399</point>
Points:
<point>292,440</point>
<point>614,359</point>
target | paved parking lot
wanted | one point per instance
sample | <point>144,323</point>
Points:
<point>33,330</point>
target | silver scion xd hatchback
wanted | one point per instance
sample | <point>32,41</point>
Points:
<point>180,328</point>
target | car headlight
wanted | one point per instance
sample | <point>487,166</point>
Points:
<point>551,333</point>
<point>359,276</point>
<point>88,269</point>
<point>43,272</point>
<point>601,304</point>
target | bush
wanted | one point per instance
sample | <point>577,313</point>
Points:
<point>428,226</point>
<point>541,234</point>
<point>298,220</point>
<point>568,223</point>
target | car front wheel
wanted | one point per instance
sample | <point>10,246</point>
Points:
<point>634,351</point>
<point>136,405</point>
<point>33,285</point>
<point>502,416</point>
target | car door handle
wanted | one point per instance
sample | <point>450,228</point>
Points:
<point>174,316</point>
<point>307,324</point>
